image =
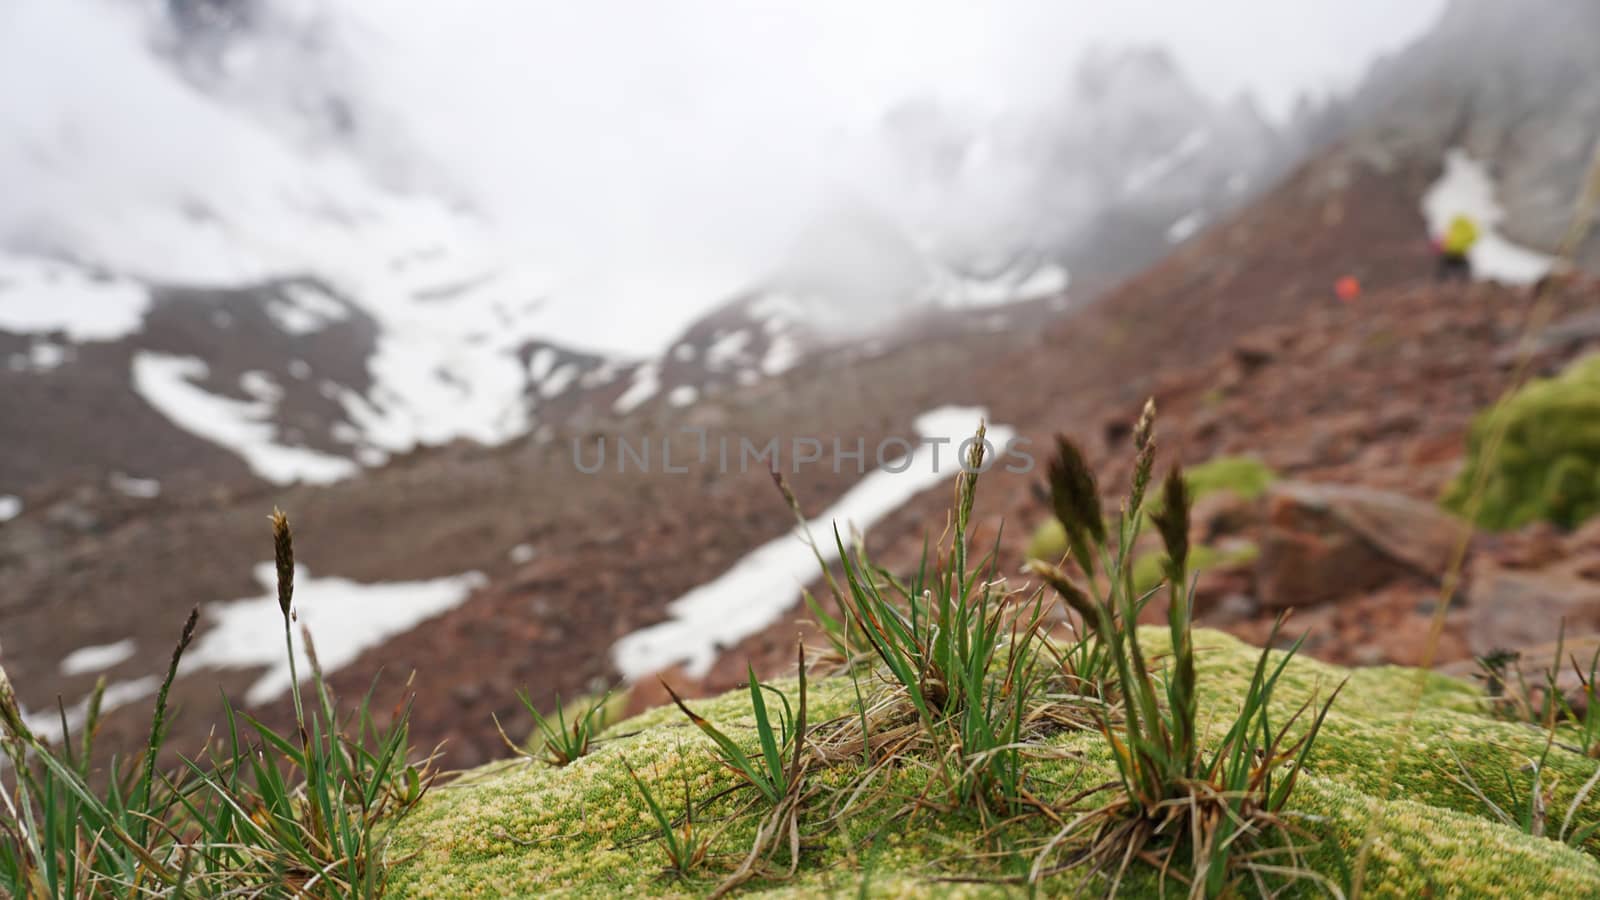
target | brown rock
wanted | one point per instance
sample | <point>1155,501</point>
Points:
<point>1534,547</point>
<point>1301,568</point>
<point>1327,542</point>
<point>1214,585</point>
<point>1517,608</point>
<point>1434,448</point>
<point>1223,513</point>
<point>1228,610</point>
<point>1587,537</point>
<point>1254,351</point>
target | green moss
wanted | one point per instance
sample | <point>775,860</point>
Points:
<point>521,829</point>
<point>1245,476</point>
<point>1548,465</point>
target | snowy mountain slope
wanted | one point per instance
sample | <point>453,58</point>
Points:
<point>297,302</point>
<point>280,284</point>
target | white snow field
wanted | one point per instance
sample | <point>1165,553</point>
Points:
<point>47,723</point>
<point>167,383</point>
<point>97,658</point>
<point>239,184</point>
<point>345,617</point>
<point>39,297</point>
<point>769,579</point>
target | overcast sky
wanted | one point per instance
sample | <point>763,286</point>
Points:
<point>700,129</point>
<point>852,54</point>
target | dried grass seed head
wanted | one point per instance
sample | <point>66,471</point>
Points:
<point>11,710</point>
<point>1173,519</point>
<point>1073,492</point>
<point>283,557</point>
<point>1145,429</point>
<point>1144,454</point>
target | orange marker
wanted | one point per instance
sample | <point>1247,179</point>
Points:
<point>1347,288</point>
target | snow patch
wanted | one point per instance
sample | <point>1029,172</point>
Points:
<point>559,380</point>
<point>540,362</point>
<point>604,374</point>
<point>97,658</point>
<point>1466,189</point>
<point>167,383</point>
<point>305,310</point>
<point>782,355</point>
<point>769,579</point>
<point>1185,228</point>
<point>47,725</point>
<point>44,356</point>
<point>345,618</point>
<point>1007,287</point>
<point>521,553</point>
<point>727,349</point>
<point>683,395</point>
<point>646,384</point>
<point>10,507</point>
<point>141,488</point>
<point>41,297</point>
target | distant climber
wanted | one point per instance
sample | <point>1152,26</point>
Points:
<point>1454,245</point>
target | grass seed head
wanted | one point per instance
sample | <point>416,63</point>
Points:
<point>788,492</point>
<point>971,467</point>
<point>283,556</point>
<point>11,710</point>
<point>1173,519</point>
<point>1145,453</point>
<point>1073,493</point>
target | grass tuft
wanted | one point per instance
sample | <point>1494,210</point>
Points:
<point>561,741</point>
<point>257,813</point>
<point>1174,805</point>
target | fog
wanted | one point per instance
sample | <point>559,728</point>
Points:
<point>652,159</point>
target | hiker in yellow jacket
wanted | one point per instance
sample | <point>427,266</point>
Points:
<point>1454,246</point>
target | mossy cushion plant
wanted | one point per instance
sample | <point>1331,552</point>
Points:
<point>1547,466</point>
<point>522,829</point>
<point>958,748</point>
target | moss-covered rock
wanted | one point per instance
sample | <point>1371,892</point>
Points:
<point>1548,464</point>
<point>525,829</point>
<point>1246,476</point>
<point>1049,542</point>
